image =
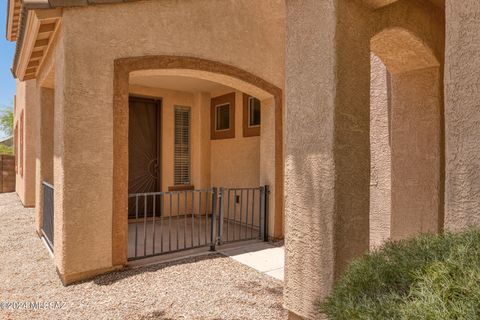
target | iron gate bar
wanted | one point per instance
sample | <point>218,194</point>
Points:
<point>253,212</point>
<point>145,226</point>
<point>217,208</point>
<point>170,225</point>
<point>228,211</point>
<point>200,216</point>
<point>154,214</point>
<point>246,214</point>
<point>206,217</point>
<point>177,220</point>
<point>136,225</point>
<point>48,230</point>
<point>234,211</point>
<point>193,218</point>
<point>212,220</point>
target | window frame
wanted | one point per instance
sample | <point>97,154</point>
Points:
<point>250,131</point>
<point>182,184</point>
<point>229,116</point>
<point>219,101</point>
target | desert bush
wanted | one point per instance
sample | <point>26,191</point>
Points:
<point>430,277</point>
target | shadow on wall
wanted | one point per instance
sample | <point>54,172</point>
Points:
<point>406,138</point>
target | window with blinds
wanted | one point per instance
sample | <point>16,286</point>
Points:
<point>182,152</point>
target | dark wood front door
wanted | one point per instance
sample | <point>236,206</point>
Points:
<point>144,151</point>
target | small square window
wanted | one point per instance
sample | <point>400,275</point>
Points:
<point>222,117</point>
<point>253,112</point>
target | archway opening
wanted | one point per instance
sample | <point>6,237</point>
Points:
<point>213,126</point>
<point>405,137</point>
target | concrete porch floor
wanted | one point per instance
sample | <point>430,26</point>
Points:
<point>184,233</point>
<point>261,256</point>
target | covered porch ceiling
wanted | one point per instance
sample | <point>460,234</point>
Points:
<point>177,83</point>
<point>382,3</point>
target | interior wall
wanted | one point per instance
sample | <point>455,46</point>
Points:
<point>201,140</point>
<point>235,162</point>
<point>415,135</point>
<point>380,152</point>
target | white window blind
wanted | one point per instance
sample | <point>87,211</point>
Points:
<point>182,146</point>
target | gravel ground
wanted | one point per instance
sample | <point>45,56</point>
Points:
<point>206,287</point>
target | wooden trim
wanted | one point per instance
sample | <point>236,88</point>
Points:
<point>13,19</point>
<point>247,130</point>
<point>221,100</point>
<point>122,69</point>
<point>181,188</point>
<point>40,31</point>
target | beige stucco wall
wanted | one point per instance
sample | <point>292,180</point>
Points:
<point>326,193</point>
<point>462,114</point>
<point>86,102</point>
<point>44,148</point>
<point>236,162</point>
<point>201,140</point>
<point>380,152</point>
<point>327,138</point>
<point>415,136</point>
<point>405,150</point>
<point>26,101</point>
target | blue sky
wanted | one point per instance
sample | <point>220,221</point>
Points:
<point>7,83</point>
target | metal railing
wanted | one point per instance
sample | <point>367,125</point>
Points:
<point>48,214</point>
<point>165,222</point>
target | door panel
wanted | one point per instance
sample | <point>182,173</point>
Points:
<point>143,151</point>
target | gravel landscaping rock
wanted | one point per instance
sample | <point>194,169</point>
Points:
<point>205,287</point>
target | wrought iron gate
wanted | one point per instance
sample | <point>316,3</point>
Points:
<point>48,216</point>
<point>167,222</point>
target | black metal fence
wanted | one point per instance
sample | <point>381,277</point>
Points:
<point>48,216</point>
<point>166,222</point>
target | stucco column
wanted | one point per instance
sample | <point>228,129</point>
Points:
<point>27,104</point>
<point>83,161</point>
<point>43,148</point>
<point>381,157</point>
<point>462,115</point>
<point>267,163</point>
<point>327,156</point>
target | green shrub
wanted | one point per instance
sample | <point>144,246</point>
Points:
<point>6,150</point>
<point>430,277</point>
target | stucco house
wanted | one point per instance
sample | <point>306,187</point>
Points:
<point>147,127</point>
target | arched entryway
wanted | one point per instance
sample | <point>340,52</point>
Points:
<point>194,68</point>
<point>405,137</point>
